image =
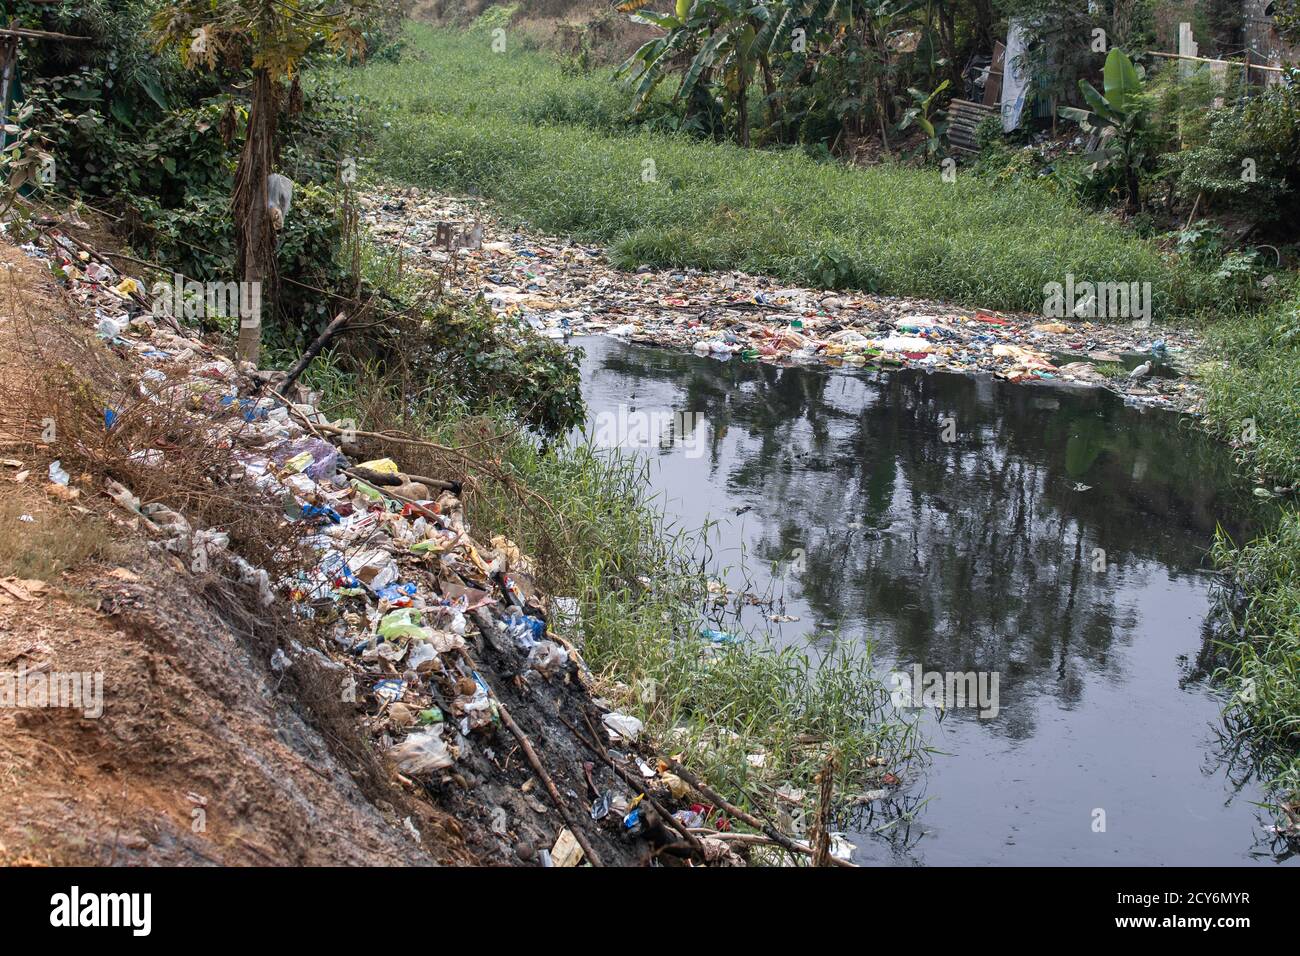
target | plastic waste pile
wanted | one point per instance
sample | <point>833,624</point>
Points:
<point>565,289</point>
<point>408,596</point>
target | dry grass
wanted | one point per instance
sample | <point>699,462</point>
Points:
<point>61,380</point>
<point>39,539</point>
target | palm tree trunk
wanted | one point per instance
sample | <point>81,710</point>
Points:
<point>253,225</point>
<point>769,89</point>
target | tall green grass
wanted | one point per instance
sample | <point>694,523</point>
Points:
<point>1264,676</point>
<point>554,151</point>
<point>1252,398</point>
<point>1256,382</point>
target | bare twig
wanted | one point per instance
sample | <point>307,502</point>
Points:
<point>635,784</point>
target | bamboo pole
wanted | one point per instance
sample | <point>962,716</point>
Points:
<point>1202,59</point>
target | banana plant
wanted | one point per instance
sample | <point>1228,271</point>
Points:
<point>1117,116</point>
<point>919,113</point>
<point>722,44</point>
<point>721,36</point>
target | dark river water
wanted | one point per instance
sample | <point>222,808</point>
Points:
<point>1054,537</point>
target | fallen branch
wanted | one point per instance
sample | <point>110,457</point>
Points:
<point>749,819</point>
<point>310,352</point>
<point>378,478</point>
<point>635,784</point>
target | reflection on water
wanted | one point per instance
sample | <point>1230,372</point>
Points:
<point>1053,536</point>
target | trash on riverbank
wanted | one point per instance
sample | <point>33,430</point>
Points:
<point>454,666</point>
<point>562,289</point>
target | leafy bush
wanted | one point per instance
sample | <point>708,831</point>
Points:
<point>455,359</point>
<point>1181,106</point>
<point>489,360</point>
<point>1249,161</point>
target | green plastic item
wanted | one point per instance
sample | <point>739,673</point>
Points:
<point>404,622</point>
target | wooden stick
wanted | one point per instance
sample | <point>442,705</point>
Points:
<point>389,493</point>
<point>735,837</point>
<point>748,818</point>
<point>378,478</point>
<point>821,840</point>
<point>527,747</point>
<point>638,785</point>
<point>309,353</point>
<point>1201,59</point>
<point>550,784</point>
<point>38,34</point>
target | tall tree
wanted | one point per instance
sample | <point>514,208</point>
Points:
<point>270,38</point>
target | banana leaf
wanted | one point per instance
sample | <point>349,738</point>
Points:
<point>661,20</point>
<point>1121,81</point>
<point>706,58</point>
<point>1100,107</point>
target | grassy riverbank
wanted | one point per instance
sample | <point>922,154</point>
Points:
<point>1253,400</point>
<point>555,150</point>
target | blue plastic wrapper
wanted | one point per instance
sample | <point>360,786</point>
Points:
<point>317,515</point>
<point>718,637</point>
<point>390,690</point>
<point>525,629</point>
<point>248,409</point>
<point>395,592</point>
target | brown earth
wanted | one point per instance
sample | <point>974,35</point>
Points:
<point>196,758</point>
<point>564,26</point>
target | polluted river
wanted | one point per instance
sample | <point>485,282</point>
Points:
<point>1052,539</point>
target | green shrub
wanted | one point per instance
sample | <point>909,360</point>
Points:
<point>1249,161</point>
<point>1252,396</point>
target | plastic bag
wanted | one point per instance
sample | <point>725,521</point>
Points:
<point>279,197</point>
<point>423,752</point>
<point>546,658</point>
<point>624,725</point>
